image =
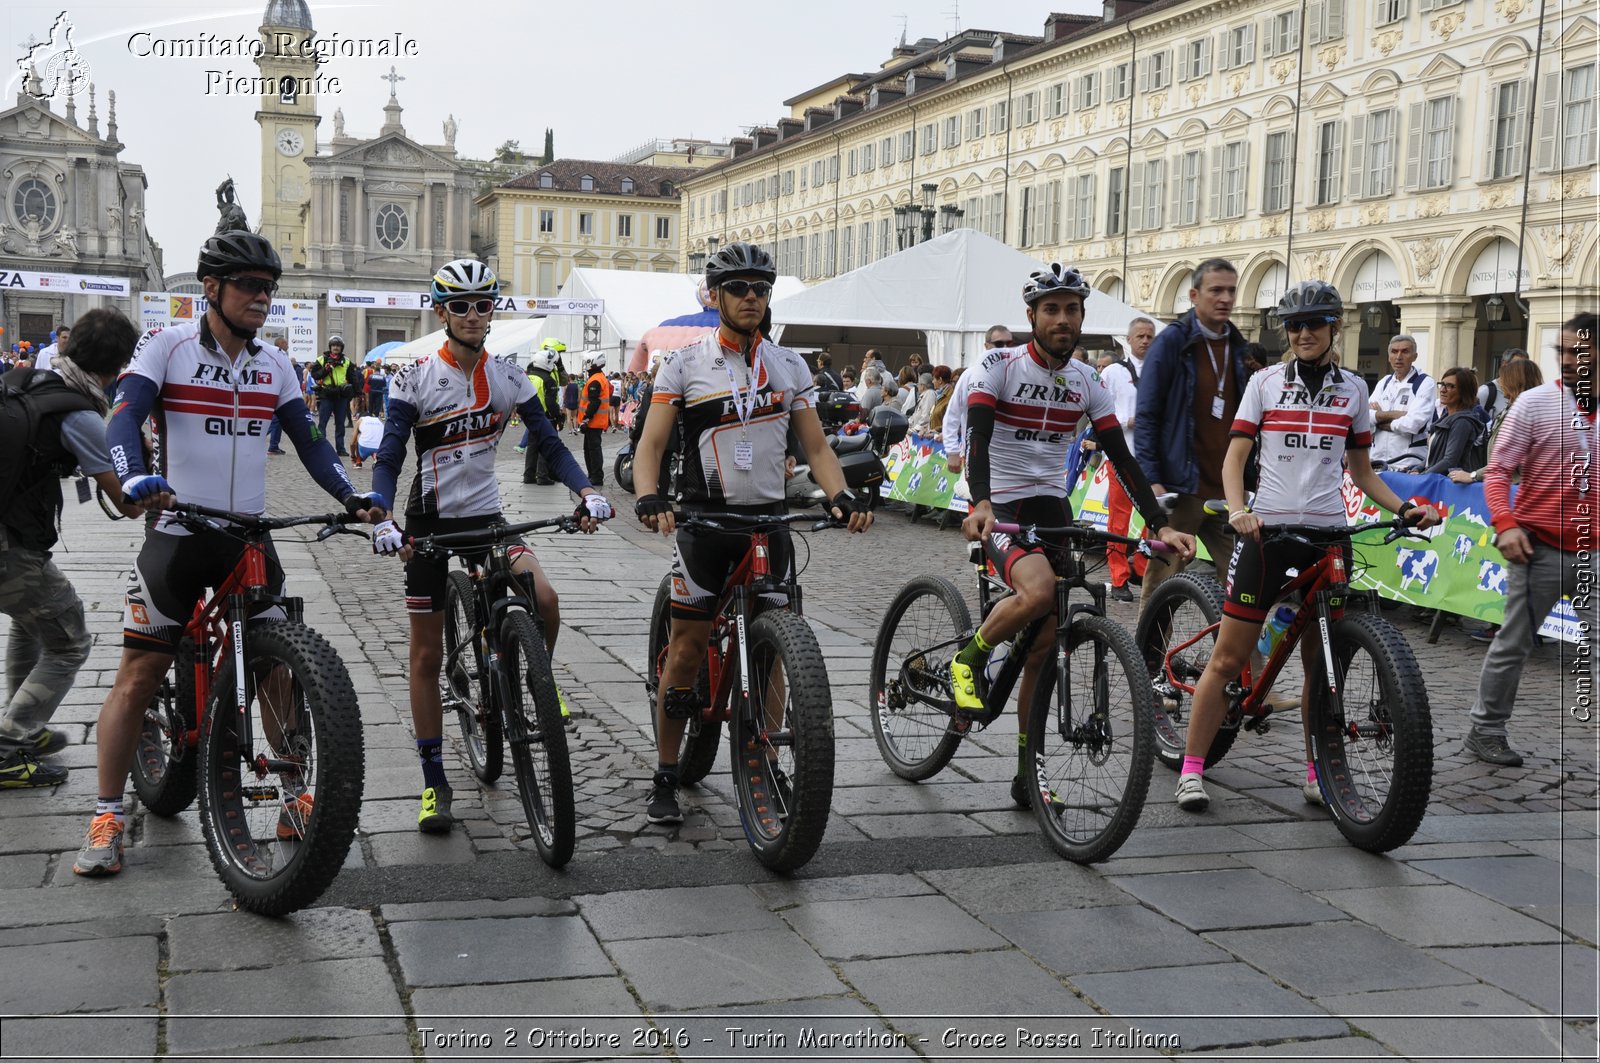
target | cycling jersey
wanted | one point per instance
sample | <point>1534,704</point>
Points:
<point>728,461</point>
<point>457,423</point>
<point>1036,414</point>
<point>1302,440</point>
<point>212,414</point>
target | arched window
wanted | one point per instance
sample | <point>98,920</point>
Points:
<point>547,181</point>
<point>627,186</point>
<point>666,188</point>
<point>586,183</point>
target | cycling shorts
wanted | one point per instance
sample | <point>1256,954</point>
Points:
<point>1259,570</point>
<point>172,573</point>
<point>703,559</point>
<point>1048,511</point>
<point>427,577</point>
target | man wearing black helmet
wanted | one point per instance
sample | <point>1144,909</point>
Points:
<point>738,395</point>
<point>1310,419</point>
<point>217,389</point>
<point>1022,415</point>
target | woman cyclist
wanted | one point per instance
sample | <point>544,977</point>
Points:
<point>1305,415</point>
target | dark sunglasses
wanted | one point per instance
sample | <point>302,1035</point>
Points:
<point>739,289</point>
<point>463,307</point>
<point>253,285</point>
<point>1296,326</point>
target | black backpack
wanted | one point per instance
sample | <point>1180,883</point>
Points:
<point>27,397</point>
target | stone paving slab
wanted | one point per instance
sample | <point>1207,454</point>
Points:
<point>203,1009</point>
<point>788,892</point>
<point>1334,1048</point>
<point>1336,868</point>
<point>574,1018</point>
<point>118,973</point>
<point>1326,959</point>
<point>675,912</point>
<point>1046,886</point>
<point>126,1036</point>
<point>1214,900</point>
<point>1559,979</point>
<point>901,926</point>
<point>720,970</point>
<point>832,1029</point>
<point>375,1049</point>
<point>1439,915</point>
<point>240,940</point>
<point>483,951</point>
<point>1124,937</point>
<point>1518,881</point>
<point>1470,1020</point>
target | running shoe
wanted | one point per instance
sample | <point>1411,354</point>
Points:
<point>102,850</point>
<point>20,769</point>
<point>434,817</point>
<point>44,742</point>
<point>663,806</point>
<point>294,817</point>
<point>1192,796</point>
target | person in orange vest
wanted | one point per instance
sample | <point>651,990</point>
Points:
<point>595,416</point>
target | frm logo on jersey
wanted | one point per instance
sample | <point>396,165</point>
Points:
<point>220,374</point>
<point>1329,400</point>
<point>1044,393</point>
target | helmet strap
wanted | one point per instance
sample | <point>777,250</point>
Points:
<point>238,330</point>
<point>475,348</point>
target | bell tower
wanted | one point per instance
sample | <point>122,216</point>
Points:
<point>288,120</point>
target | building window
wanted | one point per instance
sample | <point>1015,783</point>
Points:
<point>288,91</point>
<point>788,182</point>
<point>586,183</point>
<point>1189,189</point>
<point>866,242</point>
<point>34,202</point>
<point>1238,47</point>
<point>624,226</point>
<point>906,145</point>
<point>392,227</point>
<point>1154,198</point>
<point>547,180</point>
<point>952,131</point>
<point>930,138</point>
<point>1325,21</point>
<point>585,224</point>
<point>1155,71</point>
<point>1028,108</point>
<point>1119,85</point>
<point>1080,207</point>
<point>1430,154</point>
<point>847,249</point>
<point>663,227</point>
<point>1275,196</point>
<point>1231,163</point>
<point>1282,34</point>
<point>1330,163</point>
<point>666,190</point>
<point>1385,12</point>
<point>1506,119</point>
<point>884,233</point>
<point>999,115</point>
<point>627,186</point>
<point>1196,61</point>
<point>1577,133</point>
<point>547,279</point>
<point>886,151</point>
<point>1056,100</point>
<point>1116,201</point>
<point>868,160</point>
<point>547,221</point>
<point>1086,91</point>
<point>1372,153</point>
<point>975,123</point>
<point>1025,217</point>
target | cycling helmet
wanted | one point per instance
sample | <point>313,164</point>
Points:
<point>593,360</point>
<point>335,339</point>
<point>552,344</point>
<point>232,252</point>
<point>740,260</point>
<point>1313,299</point>
<point>1057,279</point>
<point>464,277</point>
<point>546,358</point>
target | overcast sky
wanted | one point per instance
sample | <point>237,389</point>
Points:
<point>605,76</point>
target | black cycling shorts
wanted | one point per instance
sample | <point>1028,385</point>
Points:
<point>1259,570</point>
<point>1049,511</point>
<point>172,573</point>
<point>704,559</point>
<point>428,577</point>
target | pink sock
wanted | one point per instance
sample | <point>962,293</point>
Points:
<point>1193,765</point>
<point>1311,772</point>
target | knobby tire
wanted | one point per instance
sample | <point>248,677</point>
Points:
<point>537,736</point>
<point>165,767</point>
<point>466,685</point>
<point>916,739</point>
<point>1182,607</point>
<point>697,753</point>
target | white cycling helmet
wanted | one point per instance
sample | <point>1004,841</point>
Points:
<point>464,277</point>
<point>1052,280</point>
<point>593,360</point>
<point>545,358</point>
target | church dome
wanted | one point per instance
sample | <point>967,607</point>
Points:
<point>290,14</point>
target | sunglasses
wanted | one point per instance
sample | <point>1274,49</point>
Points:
<point>253,285</point>
<point>463,307</point>
<point>739,289</point>
<point>1446,384</point>
<point>1296,326</point>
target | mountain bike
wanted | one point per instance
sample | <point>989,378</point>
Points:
<point>494,652</point>
<point>1091,725</point>
<point>260,720</point>
<point>765,677</point>
<point>1371,733</point>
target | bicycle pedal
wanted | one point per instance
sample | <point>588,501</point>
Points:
<point>1258,724</point>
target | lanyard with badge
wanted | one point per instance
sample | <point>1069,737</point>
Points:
<point>1217,400</point>
<point>744,405</point>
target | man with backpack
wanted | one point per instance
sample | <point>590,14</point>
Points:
<point>1403,406</point>
<point>51,421</point>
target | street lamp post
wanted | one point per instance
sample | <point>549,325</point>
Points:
<point>913,222</point>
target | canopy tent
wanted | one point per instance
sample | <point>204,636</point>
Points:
<point>508,338</point>
<point>382,351</point>
<point>937,298</point>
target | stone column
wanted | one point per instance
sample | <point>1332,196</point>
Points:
<point>1436,322</point>
<point>1548,310</point>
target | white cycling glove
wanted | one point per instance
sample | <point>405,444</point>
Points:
<point>386,538</point>
<point>597,507</point>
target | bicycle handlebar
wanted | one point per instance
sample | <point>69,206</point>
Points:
<point>1073,531</point>
<point>194,515</point>
<point>1399,527</point>
<point>464,541</point>
<point>712,519</point>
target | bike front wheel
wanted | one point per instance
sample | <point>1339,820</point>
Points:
<point>1091,736</point>
<point>697,752</point>
<point>782,743</point>
<point>1170,640</point>
<point>165,765</point>
<point>282,780</point>
<point>537,737</point>
<point>1374,758</point>
<point>463,681</point>
<point>916,738</point>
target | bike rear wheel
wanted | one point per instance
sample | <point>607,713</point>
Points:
<point>782,743</point>
<point>165,766</point>
<point>537,737</point>
<point>463,680</point>
<point>697,753</point>
<point>917,739</point>
<point>1182,607</point>
<point>281,797</point>
<point>1375,760</point>
<point>1091,742</point>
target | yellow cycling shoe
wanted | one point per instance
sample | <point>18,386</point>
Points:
<point>964,687</point>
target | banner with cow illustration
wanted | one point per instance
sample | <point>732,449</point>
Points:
<point>1455,567</point>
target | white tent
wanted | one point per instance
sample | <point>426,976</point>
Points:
<point>635,303</point>
<point>939,297</point>
<point>512,337</point>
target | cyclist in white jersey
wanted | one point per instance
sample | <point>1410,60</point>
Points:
<point>456,405</point>
<point>1310,420</point>
<point>738,395</point>
<point>1023,412</point>
<point>213,390</point>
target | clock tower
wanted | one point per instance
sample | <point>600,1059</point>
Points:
<point>288,120</point>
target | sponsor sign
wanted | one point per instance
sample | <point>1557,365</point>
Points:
<point>22,280</point>
<point>295,318</point>
<point>363,299</point>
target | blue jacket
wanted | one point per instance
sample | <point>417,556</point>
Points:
<point>1163,429</point>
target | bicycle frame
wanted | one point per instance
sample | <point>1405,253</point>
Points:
<point>751,577</point>
<point>496,589</point>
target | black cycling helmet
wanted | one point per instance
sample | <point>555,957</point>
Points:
<point>1311,299</point>
<point>740,260</point>
<point>1056,279</point>
<point>236,251</point>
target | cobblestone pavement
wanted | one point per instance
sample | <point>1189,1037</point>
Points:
<point>932,924</point>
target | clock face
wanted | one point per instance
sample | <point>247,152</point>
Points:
<point>290,142</point>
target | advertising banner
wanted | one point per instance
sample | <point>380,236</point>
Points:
<point>295,318</point>
<point>22,280</point>
<point>1455,567</point>
<point>358,298</point>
